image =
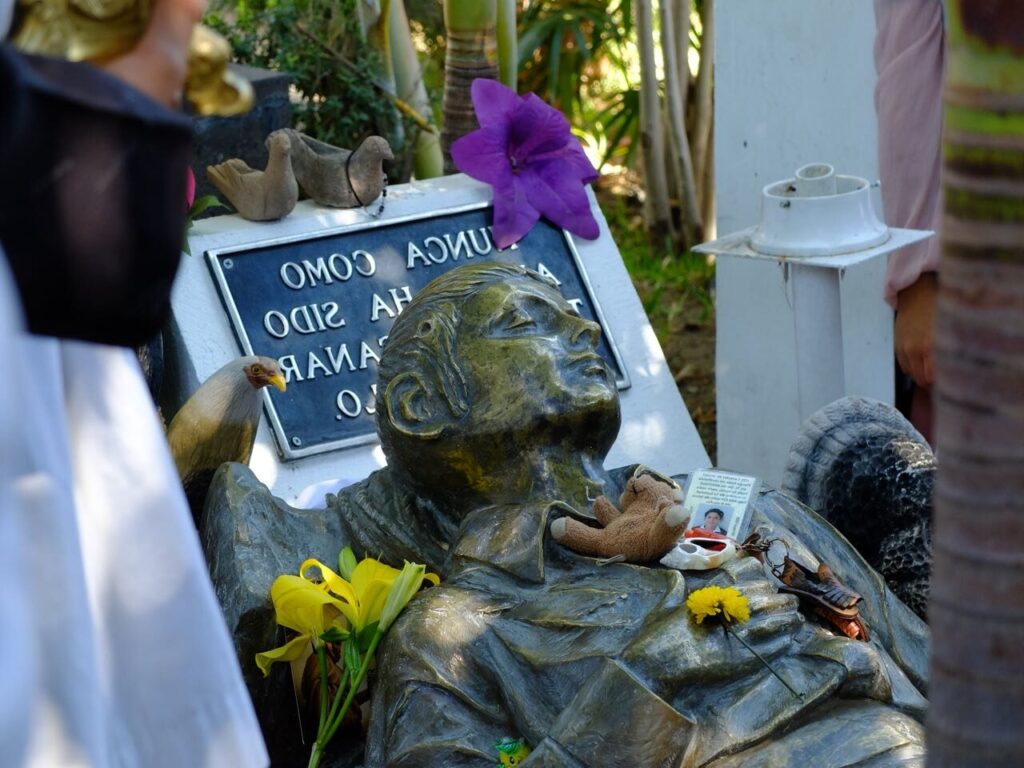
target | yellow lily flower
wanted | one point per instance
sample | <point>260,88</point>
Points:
<point>368,590</point>
<point>301,605</point>
<point>356,611</point>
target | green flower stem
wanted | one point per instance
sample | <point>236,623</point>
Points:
<point>320,745</point>
<point>321,655</point>
<point>761,658</point>
<point>315,755</point>
<point>337,714</point>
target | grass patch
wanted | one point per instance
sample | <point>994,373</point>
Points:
<point>670,284</point>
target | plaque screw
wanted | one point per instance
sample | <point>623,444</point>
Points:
<point>227,263</point>
<point>296,441</point>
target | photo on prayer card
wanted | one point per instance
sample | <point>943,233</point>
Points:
<point>713,518</point>
<point>719,502</point>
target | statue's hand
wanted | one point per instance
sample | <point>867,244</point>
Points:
<point>639,535</point>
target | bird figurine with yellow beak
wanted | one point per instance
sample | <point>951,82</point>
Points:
<point>218,423</point>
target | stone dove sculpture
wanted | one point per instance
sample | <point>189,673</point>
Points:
<point>259,195</point>
<point>218,423</point>
<point>339,178</point>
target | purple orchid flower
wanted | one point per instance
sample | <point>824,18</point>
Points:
<point>525,150</point>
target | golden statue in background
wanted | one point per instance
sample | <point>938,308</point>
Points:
<point>98,30</point>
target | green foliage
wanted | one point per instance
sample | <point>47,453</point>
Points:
<point>426,21</point>
<point>664,279</point>
<point>337,104</point>
<point>202,204</point>
<point>564,43</point>
<point>619,122</point>
<point>334,635</point>
<point>579,56</point>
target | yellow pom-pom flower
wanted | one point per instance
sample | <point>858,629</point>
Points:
<point>730,605</point>
<point>727,602</point>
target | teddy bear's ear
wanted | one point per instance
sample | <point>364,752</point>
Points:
<point>646,482</point>
<point>642,470</point>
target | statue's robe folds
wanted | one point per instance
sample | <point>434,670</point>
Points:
<point>594,665</point>
<point>602,665</point>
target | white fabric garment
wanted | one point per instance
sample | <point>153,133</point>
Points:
<point>17,653</point>
<point>6,11</point>
<point>113,649</point>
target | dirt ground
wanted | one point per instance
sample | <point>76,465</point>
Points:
<point>689,347</point>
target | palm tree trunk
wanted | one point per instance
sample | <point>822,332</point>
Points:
<point>708,208</point>
<point>681,10</point>
<point>508,43</point>
<point>427,159</point>
<point>376,29</point>
<point>977,598</point>
<point>672,47</point>
<point>471,53</point>
<point>703,96</point>
<point>652,137</point>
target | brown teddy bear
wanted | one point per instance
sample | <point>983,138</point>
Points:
<point>648,526</point>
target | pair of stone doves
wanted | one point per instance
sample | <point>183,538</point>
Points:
<point>331,176</point>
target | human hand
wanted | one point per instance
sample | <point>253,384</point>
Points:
<point>158,63</point>
<point>914,330</point>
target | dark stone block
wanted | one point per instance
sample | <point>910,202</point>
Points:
<point>220,138</point>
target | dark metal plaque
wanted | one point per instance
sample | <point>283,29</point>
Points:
<point>322,304</point>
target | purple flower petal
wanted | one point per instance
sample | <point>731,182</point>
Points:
<point>513,214</point>
<point>537,128</point>
<point>560,198</point>
<point>483,154</point>
<point>493,102</point>
<point>580,163</point>
<point>568,159</point>
<point>526,151</point>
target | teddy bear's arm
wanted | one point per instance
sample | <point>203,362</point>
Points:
<point>666,526</point>
<point>605,511</point>
<point>640,537</point>
<point>596,542</point>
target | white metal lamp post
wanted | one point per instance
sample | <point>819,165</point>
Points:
<point>800,316</point>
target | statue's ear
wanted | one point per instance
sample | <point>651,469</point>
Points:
<point>413,406</point>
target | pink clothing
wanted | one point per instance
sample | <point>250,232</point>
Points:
<point>909,58</point>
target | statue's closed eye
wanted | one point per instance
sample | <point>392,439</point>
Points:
<point>518,319</point>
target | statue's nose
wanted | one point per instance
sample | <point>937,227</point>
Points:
<point>586,332</point>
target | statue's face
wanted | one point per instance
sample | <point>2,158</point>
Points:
<point>531,360</point>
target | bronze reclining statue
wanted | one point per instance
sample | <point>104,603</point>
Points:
<point>495,415</point>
